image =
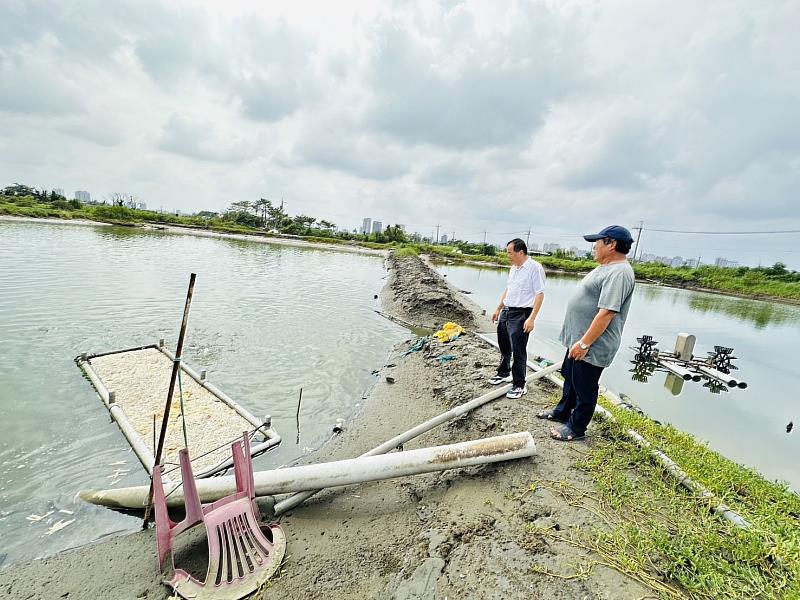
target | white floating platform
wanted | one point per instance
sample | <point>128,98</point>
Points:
<point>133,385</point>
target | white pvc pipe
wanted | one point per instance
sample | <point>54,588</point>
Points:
<point>531,365</point>
<point>141,450</point>
<point>332,474</point>
<point>721,377</point>
<point>294,500</point>
<point>678,370</point>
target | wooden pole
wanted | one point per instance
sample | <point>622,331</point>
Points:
<point>176,365</point>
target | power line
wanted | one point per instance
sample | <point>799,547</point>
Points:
<point>725,232</point>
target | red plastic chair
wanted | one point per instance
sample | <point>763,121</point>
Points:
<point>241,557</point>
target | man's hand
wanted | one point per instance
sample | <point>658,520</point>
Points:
<point>496,314</point>
<point>577,353</point>
<point>528,325</point>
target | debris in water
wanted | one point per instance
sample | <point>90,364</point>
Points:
<point>65,511</point>
<point>119,462</point>
<point>59,526</point>
<point>36,518</point>
<point>789,427</point>
<point>389,379</point>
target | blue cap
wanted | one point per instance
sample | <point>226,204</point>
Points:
<point>615,232</point>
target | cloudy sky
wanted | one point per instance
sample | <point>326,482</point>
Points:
<point>561,116</point>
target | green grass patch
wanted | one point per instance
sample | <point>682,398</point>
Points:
<point>655,531</point>
<point>406,251</point>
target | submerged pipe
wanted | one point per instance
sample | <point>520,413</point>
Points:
<point>332,474</point>
<point>296,499</point>
<point>676,472</point>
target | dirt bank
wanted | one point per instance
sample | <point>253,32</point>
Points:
<point>464,533</point>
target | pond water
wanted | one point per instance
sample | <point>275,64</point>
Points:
<point>266,320</point>
<point>748,426</point>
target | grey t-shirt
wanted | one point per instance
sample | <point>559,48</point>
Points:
<point>609,287</point>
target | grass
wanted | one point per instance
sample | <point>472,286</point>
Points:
<point>653,530</point>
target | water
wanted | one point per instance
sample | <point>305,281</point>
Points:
<point>748,426</point>
<point>266,320</point>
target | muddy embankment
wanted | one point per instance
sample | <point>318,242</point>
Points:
<point>462,533</point>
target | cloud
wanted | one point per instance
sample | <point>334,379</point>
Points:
<point>450,84</point>
<point>561,115</point>
<point>202,140</point>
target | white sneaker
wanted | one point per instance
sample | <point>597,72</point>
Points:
<point>516,392</point>
<point>496,380</point>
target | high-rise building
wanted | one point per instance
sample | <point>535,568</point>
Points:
<point>58,191</point>
<point>444,238</point>
<point>377,227</point>
<point>83,196</point>
<point>725,263</point>
<point>366,225</point>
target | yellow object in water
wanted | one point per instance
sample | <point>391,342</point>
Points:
<point>449,332</point>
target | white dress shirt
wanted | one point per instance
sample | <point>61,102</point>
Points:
<point>524,283</point>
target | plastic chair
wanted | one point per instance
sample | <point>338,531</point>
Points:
<point>241,557</point>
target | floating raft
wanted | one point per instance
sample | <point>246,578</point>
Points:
<point>133,385</point>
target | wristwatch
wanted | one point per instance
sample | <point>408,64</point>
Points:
<point>582,345</point>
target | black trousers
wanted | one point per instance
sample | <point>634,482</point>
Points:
<point>581,386</point>
<point>513,341</point>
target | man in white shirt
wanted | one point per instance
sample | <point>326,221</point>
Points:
<point>515,316</point>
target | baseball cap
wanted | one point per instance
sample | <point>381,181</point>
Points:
<point>615,232</point>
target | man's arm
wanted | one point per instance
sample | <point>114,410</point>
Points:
<point>599,324</point>
<point>528,325</point>
<point>497,310</point>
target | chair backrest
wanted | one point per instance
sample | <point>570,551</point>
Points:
<point>241,558</point>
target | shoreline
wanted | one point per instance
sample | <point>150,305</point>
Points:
<point>505,530</point>
<point>579,274</point>
<point>355,248</point>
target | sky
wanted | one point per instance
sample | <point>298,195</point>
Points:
<point>558,117</point>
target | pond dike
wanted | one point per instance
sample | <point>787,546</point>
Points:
<point>463,533</point>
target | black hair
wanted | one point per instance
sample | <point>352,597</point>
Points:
<point>623,246</point>
<point>519,245</point>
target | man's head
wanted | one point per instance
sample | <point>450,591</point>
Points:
<point>612,243</point>
<point>517,252</point>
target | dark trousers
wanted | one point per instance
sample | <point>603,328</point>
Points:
<point>513,340</point>
<point>581,386</point>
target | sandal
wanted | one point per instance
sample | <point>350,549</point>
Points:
<point>548,415</point>
<point>565,434</point>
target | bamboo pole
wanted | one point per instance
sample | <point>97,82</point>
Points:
<point>176,366</point>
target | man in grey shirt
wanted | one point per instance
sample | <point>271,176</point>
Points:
<point>592,331</point>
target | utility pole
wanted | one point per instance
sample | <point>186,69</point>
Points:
<point>528,237</point>
<point>638,235</point>
<point>484,238</point>
<point>437,234</point>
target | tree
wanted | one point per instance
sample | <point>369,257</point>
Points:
<point>262,207</point>
<point>19,189</point>
<point>326,224</point>
<point>277,217</point>
<point>122,199</point>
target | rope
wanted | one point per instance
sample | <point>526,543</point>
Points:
<point>250,434</point>
<point>183,412</point>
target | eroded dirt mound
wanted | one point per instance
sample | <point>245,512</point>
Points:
<point>419,295</point>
